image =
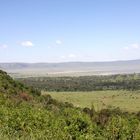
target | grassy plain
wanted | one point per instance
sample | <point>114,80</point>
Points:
<point>125,100</point>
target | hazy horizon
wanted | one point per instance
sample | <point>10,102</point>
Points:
<point>73,61</point>
<point>55,31</point>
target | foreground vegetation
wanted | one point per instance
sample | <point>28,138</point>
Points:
<point>25,114</point>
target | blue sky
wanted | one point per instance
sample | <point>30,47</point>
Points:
<point>69,30</point>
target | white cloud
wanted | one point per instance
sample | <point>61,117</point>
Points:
<point>55,44</point>
<point>126,48</point>
<point>68,56</point>
<point>71,55</point>
<point>49,47</point>
<point>58,42</point>
<point>3,46</point>
<point>63,57</point>
<point>133,46</point>
<point>26,43</point>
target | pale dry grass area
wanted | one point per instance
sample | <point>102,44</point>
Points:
<point>125,100</point>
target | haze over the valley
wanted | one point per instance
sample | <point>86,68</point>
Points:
<point>71,68</point>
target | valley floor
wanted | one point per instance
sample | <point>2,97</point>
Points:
<point>125,100</point>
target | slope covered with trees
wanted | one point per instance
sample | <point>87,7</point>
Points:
<point>10,87</point>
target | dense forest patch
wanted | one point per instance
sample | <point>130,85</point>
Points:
<point>85,83</point>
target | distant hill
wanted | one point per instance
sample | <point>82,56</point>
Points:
<point>72,68</point>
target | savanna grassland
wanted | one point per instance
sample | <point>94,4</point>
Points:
<point>125,100</point>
